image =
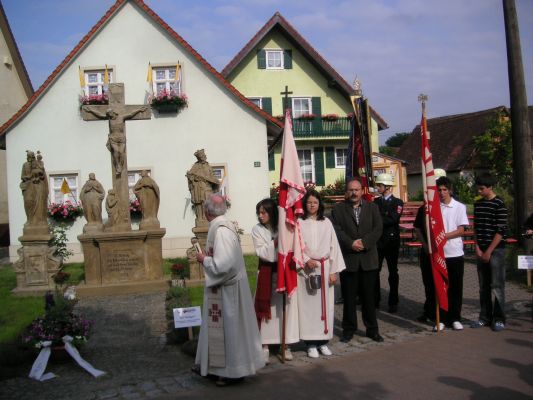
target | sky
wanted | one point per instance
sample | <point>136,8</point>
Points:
<point>454,51</point>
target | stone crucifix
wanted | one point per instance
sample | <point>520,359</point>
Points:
<point>117,112</point>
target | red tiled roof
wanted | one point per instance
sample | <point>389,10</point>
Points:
<point>108,15</point>
<point>307,50</point>
<point>451,140</point>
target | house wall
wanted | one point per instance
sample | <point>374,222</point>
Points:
<point>303,79</point>
<point>12,97</point>
<point>215,120</point>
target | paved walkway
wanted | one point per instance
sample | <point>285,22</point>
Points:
<point>129,343</point>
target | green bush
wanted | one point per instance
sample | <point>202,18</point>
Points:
<point>59,240</point>
<point>464,190</point>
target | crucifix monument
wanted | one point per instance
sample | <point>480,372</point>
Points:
<point>116,113</point>
<point>117,254</point>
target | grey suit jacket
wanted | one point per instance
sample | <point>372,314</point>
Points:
<point>369,230</point>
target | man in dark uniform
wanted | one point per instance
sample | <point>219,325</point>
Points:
<point>391,209</point>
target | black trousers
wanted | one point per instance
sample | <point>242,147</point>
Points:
<point>456,269</point>
<point>389,251</point>
<point>429,285</point>
<point>362,283</point>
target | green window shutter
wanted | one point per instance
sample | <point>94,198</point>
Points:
<point>317,110</point>
<point>271,161</point>
<point>330,157</point>
<point>266,102</point>
<point>287,59</point>
<point>319,166</point>
<point>261,59</point>
<point>284,103</point>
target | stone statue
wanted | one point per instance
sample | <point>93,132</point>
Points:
<point>202,183</point>
<point>34,186</point>
<point>116,139</point>
<point>91,196</point>
<point>147,192</point>
<point>111,206</point>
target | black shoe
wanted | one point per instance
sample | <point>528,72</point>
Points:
<point>340,300</point>
<point>376,337</point>
<point>346,338</point>
<point>393,309</point>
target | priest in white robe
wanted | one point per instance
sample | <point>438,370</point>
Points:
<point>268,302</point>
<point>229,345</point>
<point>323,258</point>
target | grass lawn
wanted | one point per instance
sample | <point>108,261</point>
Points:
<point>16,312</point>
<point>196,294</point>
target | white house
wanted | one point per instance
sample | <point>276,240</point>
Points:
<point>129,38</point>
<point>16,90</point>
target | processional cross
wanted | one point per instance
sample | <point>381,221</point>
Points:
<point>117,112</point>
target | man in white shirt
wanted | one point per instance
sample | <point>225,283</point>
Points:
<point>455,219</point>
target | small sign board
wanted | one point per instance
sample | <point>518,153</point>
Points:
<point>187,316</point>
<point>525,262</point>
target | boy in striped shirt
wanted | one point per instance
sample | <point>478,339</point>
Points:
<point>490,226</point>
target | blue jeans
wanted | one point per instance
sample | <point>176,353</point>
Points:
<point>491,277</point>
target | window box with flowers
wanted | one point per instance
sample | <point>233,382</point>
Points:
<point>306,117</point>
<point>330,117</point>
<point>168,101</point>
<point>94,99</point>
<point>135,208</point>
<point>65,212</point>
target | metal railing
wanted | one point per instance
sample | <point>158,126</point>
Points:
<point>303,128</point>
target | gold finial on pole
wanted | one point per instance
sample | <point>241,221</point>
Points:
<point>423,98</point>
<point>358,92</point>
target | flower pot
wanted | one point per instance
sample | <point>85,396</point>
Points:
<point>59,355</point>
<point>166,108</point>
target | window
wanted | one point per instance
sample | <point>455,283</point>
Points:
<point>301,106</point>
<point>306,164</point>
<point>133,177</point>
<point>340,158</point>
<point>56,182</point>
<point>220,172</point>
<point>257,101</point>
<point>94,81</point>
<point>274,59</point>
<point>164,78</point>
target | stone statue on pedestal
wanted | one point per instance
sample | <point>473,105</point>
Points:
<point>111,206</point>
<point>202,183</point>
<point>92,194</point>
<point>34,186</point>
<point>147,191</point>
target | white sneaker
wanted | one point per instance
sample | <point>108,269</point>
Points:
<point>325,350</point>
<point>457,326</point>
<point>441,327</point>
<point>266,355</point>
<point>312,352</point>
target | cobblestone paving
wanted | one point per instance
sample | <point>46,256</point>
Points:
<point>129,343</point>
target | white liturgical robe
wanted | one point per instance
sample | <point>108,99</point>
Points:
<point>320,243</point>
<point>225,269</point>
<point>271,328</point>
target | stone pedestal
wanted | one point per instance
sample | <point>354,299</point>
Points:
<point>196,270</point>
<point>118,258</point>
<point>36,264</point>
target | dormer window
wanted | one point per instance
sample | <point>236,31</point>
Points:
<point>274,59</point>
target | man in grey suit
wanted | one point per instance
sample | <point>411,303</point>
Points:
<point>358,226</point>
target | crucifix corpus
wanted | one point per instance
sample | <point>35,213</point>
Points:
<point>117,112</point>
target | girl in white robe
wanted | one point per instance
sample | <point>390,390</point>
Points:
<point>322,256</point>
<point>269,303</point>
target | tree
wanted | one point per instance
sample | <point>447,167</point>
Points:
<point>494,148</point>
<point>397,139</point>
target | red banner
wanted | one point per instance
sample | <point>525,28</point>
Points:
<point>436,234</point>
<point>291,192</point>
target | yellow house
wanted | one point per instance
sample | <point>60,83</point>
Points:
<point>278,57</point>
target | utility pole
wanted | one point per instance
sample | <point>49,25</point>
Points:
<point>522,161</point>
